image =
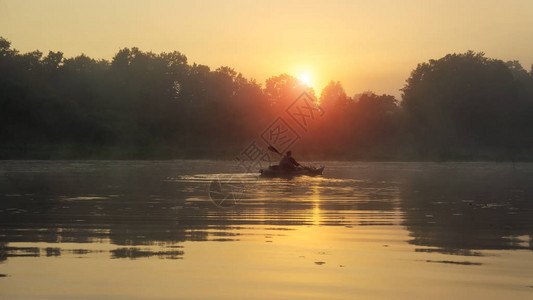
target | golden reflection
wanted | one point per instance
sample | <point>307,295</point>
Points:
<point>315,198</point>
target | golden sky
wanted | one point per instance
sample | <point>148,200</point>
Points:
<point>367,45</point>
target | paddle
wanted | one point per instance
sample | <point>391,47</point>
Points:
<point>271,148</point>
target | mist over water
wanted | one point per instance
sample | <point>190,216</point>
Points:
<point>150,229</point>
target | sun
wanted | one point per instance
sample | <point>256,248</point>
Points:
<point>305,79</point>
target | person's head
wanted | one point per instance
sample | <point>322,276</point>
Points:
<point>289,153</point>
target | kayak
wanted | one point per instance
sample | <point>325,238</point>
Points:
<point>276,171</point>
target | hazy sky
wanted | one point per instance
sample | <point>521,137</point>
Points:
<point>367,45</point>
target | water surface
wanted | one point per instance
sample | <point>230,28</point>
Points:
<point>149,229</point>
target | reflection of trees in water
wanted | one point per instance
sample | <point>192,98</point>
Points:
<point>139,204</point>
<point>129,252</point>
<point>133,253</point>
<point>120,203</point>
<point>469,207</point>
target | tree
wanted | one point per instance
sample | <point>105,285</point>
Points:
<point>53,61</point>
<point>281,90</point>
<point>333,95</point>
<point>466,101</point>
<point>157,105</point>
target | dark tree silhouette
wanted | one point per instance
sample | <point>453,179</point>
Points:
<point>468,104</point>
<point>147,105</point>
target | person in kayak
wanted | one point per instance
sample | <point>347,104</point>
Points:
<point>288,162</point>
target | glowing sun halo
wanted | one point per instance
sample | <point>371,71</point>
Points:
<point>305,79</point>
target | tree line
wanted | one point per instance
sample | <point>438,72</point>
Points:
<point>143,105</point>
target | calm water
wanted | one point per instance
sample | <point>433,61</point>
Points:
<point>363,230</point>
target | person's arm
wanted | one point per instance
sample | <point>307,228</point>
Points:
<point>294,162</point>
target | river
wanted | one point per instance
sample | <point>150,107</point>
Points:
<point>203,230</point>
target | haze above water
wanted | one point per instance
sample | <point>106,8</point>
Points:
<point>148,229</point>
